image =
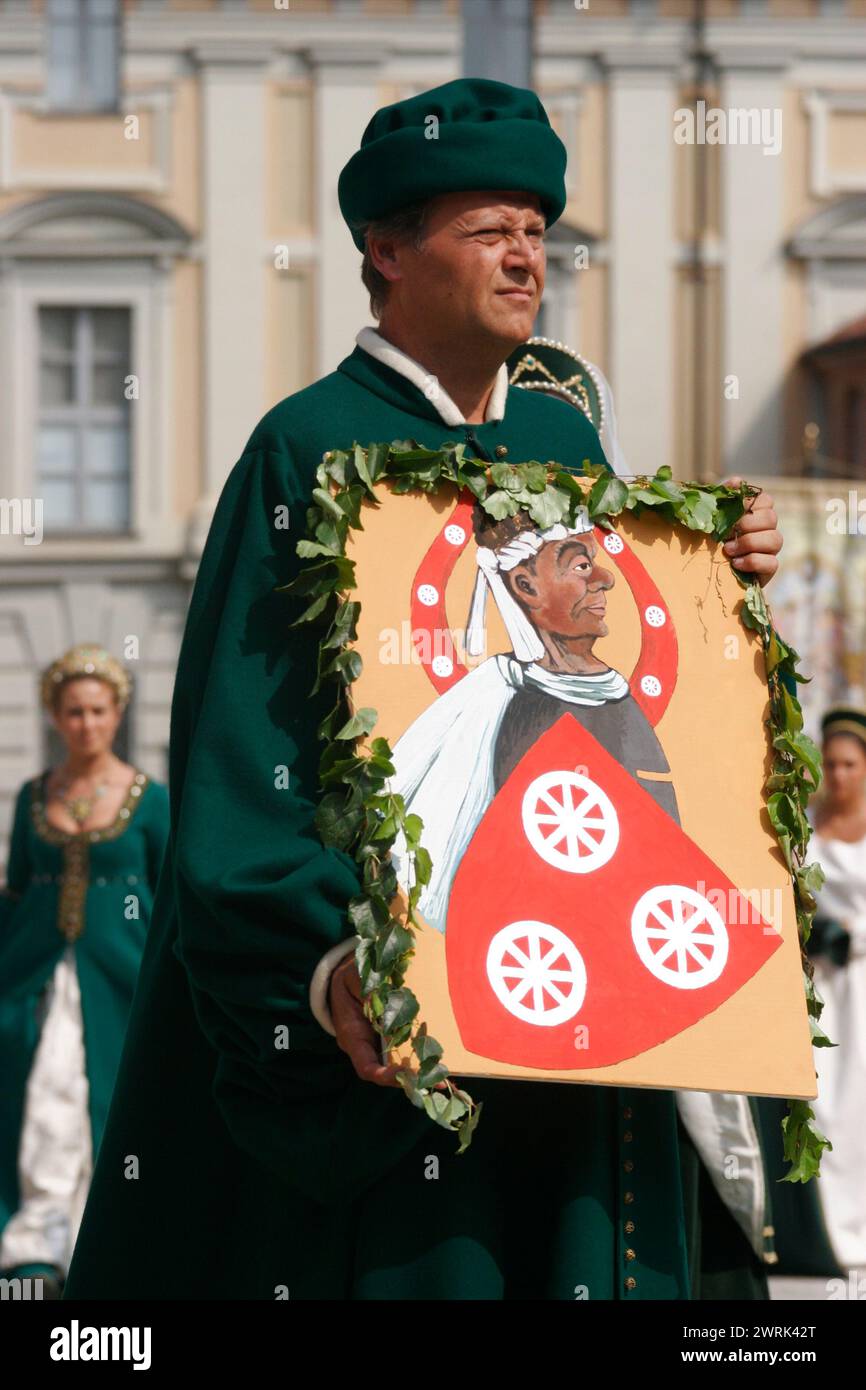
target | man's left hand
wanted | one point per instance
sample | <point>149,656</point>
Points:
<point>756,540</point>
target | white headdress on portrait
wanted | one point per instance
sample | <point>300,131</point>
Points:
<point>492,564</point>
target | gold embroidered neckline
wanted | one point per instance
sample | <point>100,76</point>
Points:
<point>55,836</point>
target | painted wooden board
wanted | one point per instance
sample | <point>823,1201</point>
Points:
<point>608,901</point>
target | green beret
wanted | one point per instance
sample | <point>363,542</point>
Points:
<point>485,135</point>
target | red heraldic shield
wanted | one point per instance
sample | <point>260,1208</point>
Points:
<point>584,926</point>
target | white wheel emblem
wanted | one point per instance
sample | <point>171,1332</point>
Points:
<point>570,822</point>
<point>679,936</point>
<point>613,544</point>
<point>454,534</point>
<point>655,616</point>
<point>428,594</point>
<point>651,685</point>
<point>442,665</point>
<point>537,973</point>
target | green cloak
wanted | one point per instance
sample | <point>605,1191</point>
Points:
<point>265,1172</point>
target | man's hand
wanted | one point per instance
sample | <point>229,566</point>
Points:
<point>355,1034</point>
<point>756,539</point>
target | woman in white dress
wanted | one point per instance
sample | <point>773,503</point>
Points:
<point>838,949</point>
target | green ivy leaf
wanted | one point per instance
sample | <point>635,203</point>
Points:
<point>468,1127</point>
<point>802,749</point>
<point>367,916</point>
<point>819,1037</point>
<point>756,606</point>
<point>349,503</point>
<point>316,608</point>
<point>608,494</point>
<point>347,665</point>
<point>400,1010</point>
<point>499,505</point>
<point>307,549</point>
<point>811,877</point>
<point>334,465</point>
<point>359,458</point>
<point>548,507</point>
<point>793,715</point>
<point>361,723</point>
<point>394,944</point>
<point>422,865</point>
<point>425,1047</point>
<point>377,461</point>
<point>803,1142</point>
<point>729,510</point>
<point>506,477</point>
<point>431,1073</point>
<point>697,510</point>
<point>344,626</point>
<point>534,477</point>
<point>337,822</point>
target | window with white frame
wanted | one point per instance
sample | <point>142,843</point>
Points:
<point>82,43</point>
<point>83,472</point>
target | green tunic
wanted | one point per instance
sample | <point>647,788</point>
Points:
<point>93,890</point>
<point>268,1172</point>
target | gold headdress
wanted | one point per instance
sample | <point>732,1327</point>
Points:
<point>86,659</point>
<point>845,719</point>
<point>540,364</point>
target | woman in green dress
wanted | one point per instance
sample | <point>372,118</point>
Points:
<point>86,849</point>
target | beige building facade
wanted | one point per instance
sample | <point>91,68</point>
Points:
<point>173,263</point>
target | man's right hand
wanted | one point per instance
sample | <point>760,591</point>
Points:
<point>355,1034</point>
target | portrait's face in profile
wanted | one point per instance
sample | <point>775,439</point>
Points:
<point>563,588</point>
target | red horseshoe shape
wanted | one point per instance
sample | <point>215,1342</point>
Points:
<point>651,682</point>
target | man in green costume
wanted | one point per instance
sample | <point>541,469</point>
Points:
<point>233,1166</point>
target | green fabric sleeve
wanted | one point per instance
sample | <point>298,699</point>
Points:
<point>259,900</point>
<point>18,866</point>
<point>156,831</point>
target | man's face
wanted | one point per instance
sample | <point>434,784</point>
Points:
<point>480,270</point>
<point>564,591</point>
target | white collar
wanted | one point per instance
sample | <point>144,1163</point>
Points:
<point>373,343</point>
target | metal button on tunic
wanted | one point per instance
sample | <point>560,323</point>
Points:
<point>655,1265</point>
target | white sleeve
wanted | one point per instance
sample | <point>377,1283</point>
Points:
<point>321,980</point>
<point>609,435</point>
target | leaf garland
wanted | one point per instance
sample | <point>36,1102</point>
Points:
<point>359,814</point>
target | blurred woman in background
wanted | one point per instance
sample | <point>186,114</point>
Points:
<point>838,950</point>
<point>87,844</point>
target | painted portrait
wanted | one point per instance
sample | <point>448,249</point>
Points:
<point>576,717</point>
